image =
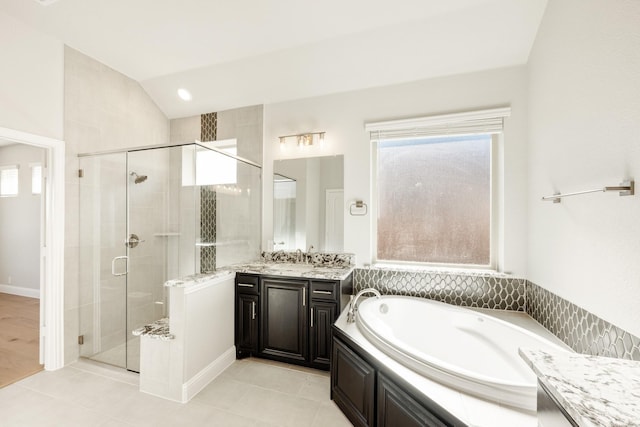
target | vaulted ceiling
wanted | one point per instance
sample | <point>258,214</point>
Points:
<point>231,53</point>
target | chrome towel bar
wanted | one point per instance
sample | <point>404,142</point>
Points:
<point>625,188</point>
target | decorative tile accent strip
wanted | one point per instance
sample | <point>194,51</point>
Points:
<point>208,202</point>
<point>579,329</point>
<point>316,258</point>
<point>493,291</point>
<point>208,127</point>
<point>208,208</point>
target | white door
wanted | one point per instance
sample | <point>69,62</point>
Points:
<point>334,221</point>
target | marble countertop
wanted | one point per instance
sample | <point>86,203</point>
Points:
<point>195,279</point>
<point>157,330</point>
<point>594,390</point>
<point>310,271</point>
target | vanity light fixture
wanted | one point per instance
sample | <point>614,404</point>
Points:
<point>303,139</point>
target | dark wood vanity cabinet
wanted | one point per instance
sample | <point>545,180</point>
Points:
<point>371,395</point>
<point>293,317</point>
<point>247,315</point>
<point>284,331</point>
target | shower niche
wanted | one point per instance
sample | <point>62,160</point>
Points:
<point>150,215</point>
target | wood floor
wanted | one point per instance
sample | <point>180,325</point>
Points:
<point>19,337</point>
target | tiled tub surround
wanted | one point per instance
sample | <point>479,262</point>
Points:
<point>482,290</point>
<point>595,391</point>
<point>581,330</point>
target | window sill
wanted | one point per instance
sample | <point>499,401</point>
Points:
<point>435,269</point>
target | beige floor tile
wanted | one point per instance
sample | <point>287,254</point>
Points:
<point>272,377</point>
<point>330,415</point>
<point>222,393</point>
<point>266,405</point>
<point>249,394</point>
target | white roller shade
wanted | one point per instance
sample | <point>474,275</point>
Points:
<point>468,123</point>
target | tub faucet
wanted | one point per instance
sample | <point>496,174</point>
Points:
<point>351,314</point>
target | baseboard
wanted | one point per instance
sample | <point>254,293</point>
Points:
<point>20,291</point>
<point>208,374</point>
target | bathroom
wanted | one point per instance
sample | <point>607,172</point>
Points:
<point>573,126</point>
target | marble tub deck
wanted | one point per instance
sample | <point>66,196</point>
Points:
<point>594,390</point>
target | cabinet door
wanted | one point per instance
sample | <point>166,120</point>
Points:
<point>284,321</point>
<point>352,385</point>
<point>323,314</point>
<point>396,408</point>
<point>247,316</point>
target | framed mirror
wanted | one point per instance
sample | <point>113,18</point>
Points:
<point>308,204</point>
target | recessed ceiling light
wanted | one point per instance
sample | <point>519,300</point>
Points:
<point>46,2</point>
<point>184,94</point>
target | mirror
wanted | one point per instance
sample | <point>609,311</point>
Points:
<point>308,204</point>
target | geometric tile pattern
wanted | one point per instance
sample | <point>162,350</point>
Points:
<point>581,330</point>
<point>463,289</point>
<point>208,127</point>
<point>208,201</point>
<point>208,232</point>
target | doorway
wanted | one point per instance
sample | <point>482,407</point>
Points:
<point>51,247</point>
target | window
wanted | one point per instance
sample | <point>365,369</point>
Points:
<point>434,200</point>
<point>36,178</point>
<point>8,181</point>
<point>434,186</point>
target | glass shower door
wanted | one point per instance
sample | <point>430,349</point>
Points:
<point>103,258</point>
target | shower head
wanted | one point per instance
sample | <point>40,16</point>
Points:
<point>139,178</point>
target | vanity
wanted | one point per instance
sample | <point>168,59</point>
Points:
<point>285,311</point>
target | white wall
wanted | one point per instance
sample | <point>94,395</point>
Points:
<point>585,133</point>
<point>20,226</point>
<point>31,80</point>
<point>343,116</point>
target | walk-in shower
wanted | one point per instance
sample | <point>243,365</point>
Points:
<point>199,211</point>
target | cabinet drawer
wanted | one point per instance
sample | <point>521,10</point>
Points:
<point>324,290</point>
<point>247,284</point>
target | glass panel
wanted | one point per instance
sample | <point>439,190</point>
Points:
<point>229,214</point>
<point>161,221</point>
<point>425,190</point>
<point>102,234</point>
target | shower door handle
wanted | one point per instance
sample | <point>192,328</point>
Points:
<point>113,265</point>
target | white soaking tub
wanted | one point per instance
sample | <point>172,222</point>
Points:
<point>461,348</point>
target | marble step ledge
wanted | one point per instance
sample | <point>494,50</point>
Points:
<point>157,330</point>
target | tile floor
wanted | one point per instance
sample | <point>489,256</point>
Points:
<point>251,392</point>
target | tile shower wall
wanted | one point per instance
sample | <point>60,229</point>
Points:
<point>103,110</point>
<point>208,202</point>
<point>579,329</point>
<point>464,289</point>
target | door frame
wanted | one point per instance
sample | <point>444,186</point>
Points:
<point>51,246</point>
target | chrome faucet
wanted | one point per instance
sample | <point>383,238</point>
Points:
<point>298,255</point>
<point>307,256</point>
<point>353,307</point>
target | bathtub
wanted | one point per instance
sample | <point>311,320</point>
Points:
<point>461,348</point>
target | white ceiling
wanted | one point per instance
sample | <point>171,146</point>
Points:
<point>243,52</point>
